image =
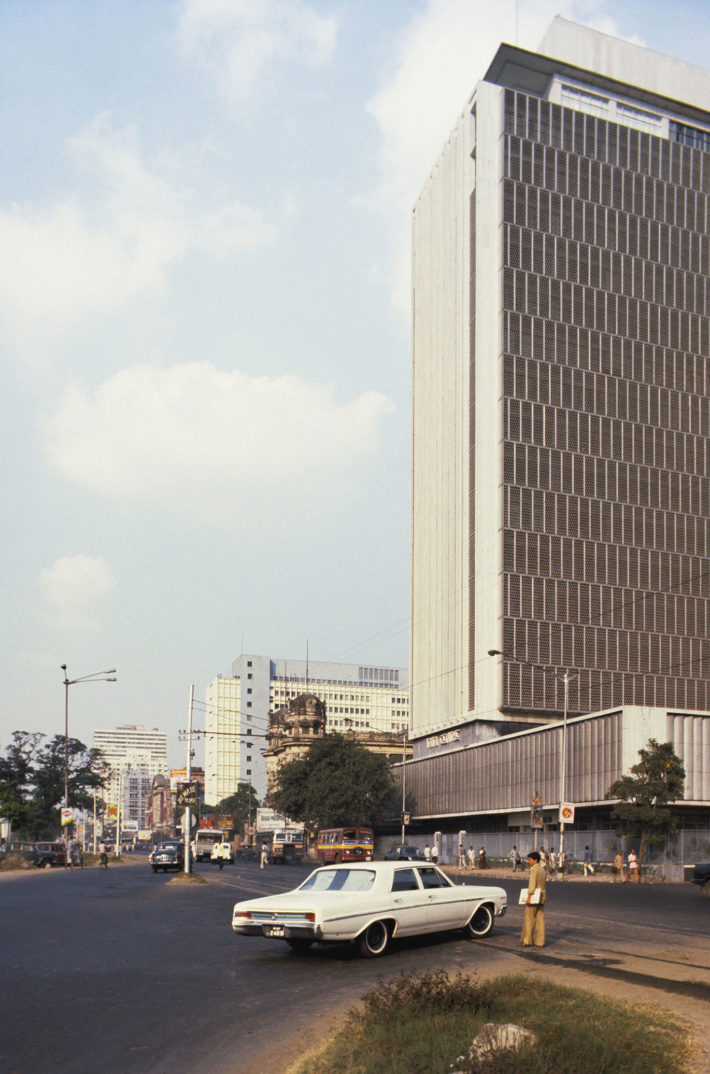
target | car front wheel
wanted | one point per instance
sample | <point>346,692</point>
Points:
<point>480,924</point>
<point>373,941</point>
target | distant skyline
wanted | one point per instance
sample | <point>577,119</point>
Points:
<point>204,328</point>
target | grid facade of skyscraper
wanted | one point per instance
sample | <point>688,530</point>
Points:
<point>606,467</point>
<point>561,393</point>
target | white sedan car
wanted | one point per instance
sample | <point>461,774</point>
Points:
<point>370,903</point>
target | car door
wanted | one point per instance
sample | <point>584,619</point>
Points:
<point>410,903</point>
<point>443,900</point>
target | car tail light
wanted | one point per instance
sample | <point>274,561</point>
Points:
<point>242,913</point>
<point>310,917</point>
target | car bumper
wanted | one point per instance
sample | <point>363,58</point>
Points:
<point>276,930</point>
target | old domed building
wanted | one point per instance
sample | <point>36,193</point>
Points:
<point>293,727</point>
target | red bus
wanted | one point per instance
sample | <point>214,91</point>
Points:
<point>345,844</point>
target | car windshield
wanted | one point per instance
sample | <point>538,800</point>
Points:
<point>339,880</point>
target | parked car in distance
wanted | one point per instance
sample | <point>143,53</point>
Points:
<point>404,853</point>
<point>167,855</point>
<point>370,904</point>
<point>19,848</point>
<point>701,875</point>
<point>51,854</point>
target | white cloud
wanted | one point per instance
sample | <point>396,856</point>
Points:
<point>74,589</point>
<point>95,254</point>
<point>190,436</point>
<point>240,42</point>
<point>446,50</point>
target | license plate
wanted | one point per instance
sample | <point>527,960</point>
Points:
<point>274,930</point>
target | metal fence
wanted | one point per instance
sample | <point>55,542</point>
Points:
<point>684,847</point>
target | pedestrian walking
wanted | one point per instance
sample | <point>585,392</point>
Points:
<point>462,856</point>
<point>103,855</point>
<point>471,858</point>
<point>633,864</point>
<point>70,855</point>
<point>514,858</point>
<point>587,864</point>
<point>553,860</point>
<point>619,868</point>
<point>482,861</point>
<point>264,856</point>
<point>533,932</point>
<point>427,853</point>
<point>79,855</point>
<point>435,854</point>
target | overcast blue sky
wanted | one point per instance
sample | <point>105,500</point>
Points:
<point>204,327</point>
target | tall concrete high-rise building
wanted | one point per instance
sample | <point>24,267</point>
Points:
<point>357,697</point>
<point>561,393</point>
<point>135,755</point>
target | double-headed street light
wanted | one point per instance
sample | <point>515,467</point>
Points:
<point>564,677</point>
<point>96,676</point>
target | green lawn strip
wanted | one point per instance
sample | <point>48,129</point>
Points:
<point>421,1025</point>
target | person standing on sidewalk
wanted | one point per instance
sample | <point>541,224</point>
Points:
<point>533,932</point>
<point>619,868</point>
<point>588,861</point>
<point>633,867</point>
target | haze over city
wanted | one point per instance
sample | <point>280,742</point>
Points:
<point>204,324</point>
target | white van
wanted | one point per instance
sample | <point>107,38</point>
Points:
<point>205,839</point>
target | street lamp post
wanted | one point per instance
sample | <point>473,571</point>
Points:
<point>96,676</point>
<point>564,678</point>
<point>404,780</point>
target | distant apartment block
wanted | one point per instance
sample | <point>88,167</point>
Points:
<point>357,697</point>
<point>135,755</point>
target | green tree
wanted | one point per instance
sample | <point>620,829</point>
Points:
<point>16,772</point>
<point>241,805</point>
<point>645,796</point>
<point>336,782</point>
<point>87,773</point>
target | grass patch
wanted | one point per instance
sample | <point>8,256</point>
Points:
<point>422,1025</point>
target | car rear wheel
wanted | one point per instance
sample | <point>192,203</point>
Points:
<point>373,941</point>
<point>481,923</point>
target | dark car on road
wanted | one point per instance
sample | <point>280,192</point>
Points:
<point>17,848</point>
<point>167,855</point>
<point>50,854</point>
<point>701,875</point>
<point>404,853</point>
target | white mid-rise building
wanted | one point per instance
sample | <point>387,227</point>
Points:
<point>135,755</point>
<point>356,696</point>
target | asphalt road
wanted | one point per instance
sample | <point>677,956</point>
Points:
<point>128,973</point>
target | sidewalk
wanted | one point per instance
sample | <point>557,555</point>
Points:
<point>502,872</point>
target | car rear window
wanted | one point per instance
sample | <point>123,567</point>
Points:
<point>405,880</point>
<point>339,880</point>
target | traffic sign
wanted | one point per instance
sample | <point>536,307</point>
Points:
<point>188,794</point>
